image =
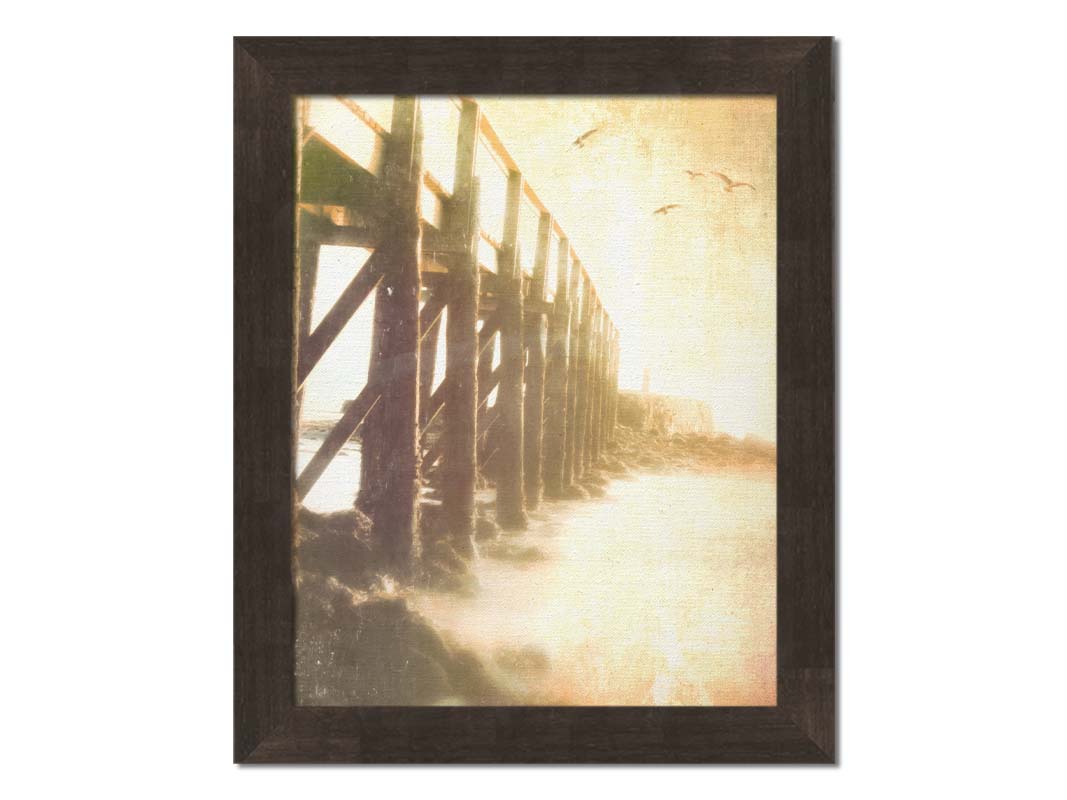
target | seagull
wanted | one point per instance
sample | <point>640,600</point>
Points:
<point>664,209</point>
<point>692,174</point>
<point>729,184</point>
<point>580,141</point>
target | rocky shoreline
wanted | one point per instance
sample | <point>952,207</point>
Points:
<point>700,452</point>
<point>358,642</point>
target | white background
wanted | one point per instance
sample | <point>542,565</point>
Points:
<point>117,405</point>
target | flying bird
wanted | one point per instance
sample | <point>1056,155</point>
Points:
<point>580,141</point>
<point>693,174</point>
<point>664,209</point>
<point>729,184</point>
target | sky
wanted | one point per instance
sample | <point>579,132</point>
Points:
<point>692,292</point>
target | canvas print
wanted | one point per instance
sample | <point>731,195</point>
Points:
<point>535,408</point>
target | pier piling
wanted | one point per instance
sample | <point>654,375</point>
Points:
<point>581,414</point>
<point>578,294</point>
<point>534,342</point>
<point>510,503</point>
<point>557,381</point>
<point>555,407</point>
<point>460,437</point>
<point>390,480</point>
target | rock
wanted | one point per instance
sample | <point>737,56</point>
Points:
<point>431,519</point>
<point>442,552</point>
<point>445,570</point>
<point>469,678</point>
<point>516,521</point>
<point>485,529</point>
<point>574,492</point>
<point>508,550</point>
<point>592,478</point>
<point>663,414</point>
<point>392,655</point>
<point>594,489</point>
<point>438,579</point>
<point>335,545</point>
<point>378,652</point>
<point>521,660</point>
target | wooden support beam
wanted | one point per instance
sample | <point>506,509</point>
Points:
<point>428,410</point>
<point>581,416</point>
<point>613,421</point>
<point>613,362</point>
<point>329,177</point>
<point>487,442</point>
<point>605,359</point>
<point>600,353</point>
<point>433,455</point>
<point>510,505</point>
<point>486,385</point>
<point>574,335</point>
<point>594,354</point>
<point>597,390</point>
<point>459,441</point>
<point>555,413</point>
<point>486,334</point>
<point>485,388</point>
<point>436,451</point>
<point>436,401</point>
<point>390,464</point>
<point>602,386</point>
<point>490,379</point>
<point>435,404</point>
<point>355,413</point>
<point>430,315</point>
<point>531,307</point>
<point>429,333</point>
<point>341,226</point>
<point>344,221</point>
<point>596,350</point>
<point>307,266</point>
<point>358,289</point>
<point>345,226</point>
<point>534,342</point>
<point>487,415</point>
<point>489,457</point>
<point>486,354</point>
<point>605,380</point>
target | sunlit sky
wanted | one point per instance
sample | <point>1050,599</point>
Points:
<point>692,292</point>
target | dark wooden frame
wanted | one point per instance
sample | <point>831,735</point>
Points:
<point>268,72</point>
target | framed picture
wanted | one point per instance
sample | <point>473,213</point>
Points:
<point>534,421</point>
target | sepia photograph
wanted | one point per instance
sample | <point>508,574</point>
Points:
<point>433,407</point>
<point>535,400</point>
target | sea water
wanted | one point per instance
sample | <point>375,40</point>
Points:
<point>662,592</point>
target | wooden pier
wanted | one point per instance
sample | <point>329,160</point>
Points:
<point>557,380</point>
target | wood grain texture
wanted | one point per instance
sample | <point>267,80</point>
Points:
<point>268,74</point>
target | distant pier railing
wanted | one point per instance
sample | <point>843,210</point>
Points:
<point>557,380</point>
